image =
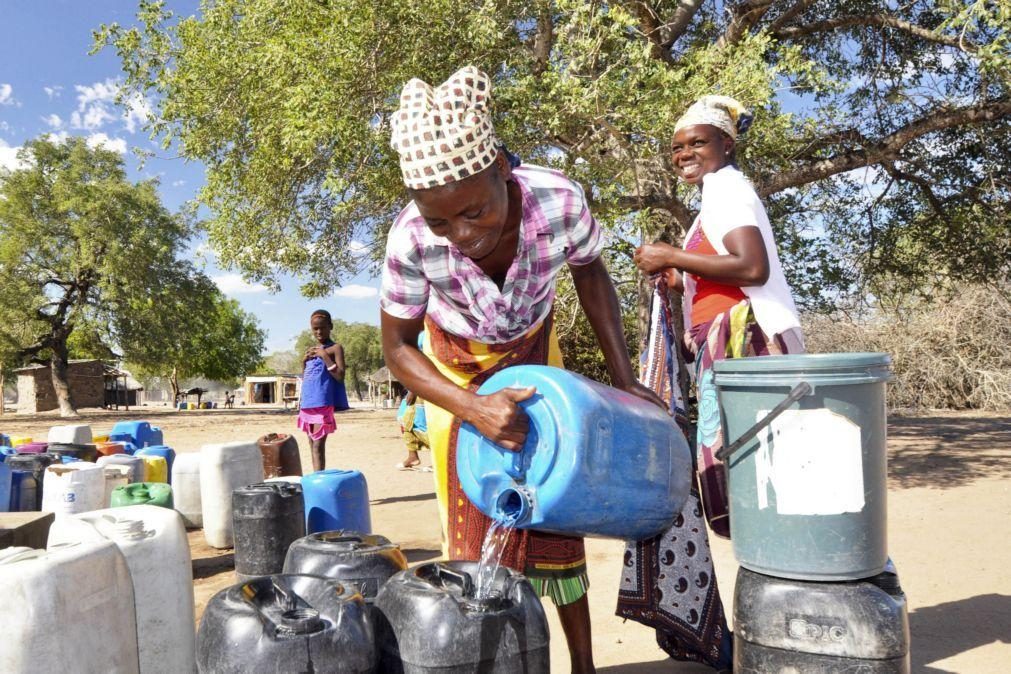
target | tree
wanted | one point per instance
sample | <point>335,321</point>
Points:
<point>363,351</point>
<point>78,244</point>
<point>288,106</point>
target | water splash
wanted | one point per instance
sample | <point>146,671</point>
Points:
<point>495,542</point>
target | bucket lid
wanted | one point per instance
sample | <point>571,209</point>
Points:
<point>816,368</point>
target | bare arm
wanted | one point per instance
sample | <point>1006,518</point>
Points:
<point>495,416</point>
<point>746,262</point>
<point>334,355</point>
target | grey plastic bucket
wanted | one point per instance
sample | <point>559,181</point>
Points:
<point>807,492</point>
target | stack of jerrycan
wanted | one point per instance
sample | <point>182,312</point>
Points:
<point>285,623</point>
<point>36,464</point>
<point>56,599</point>
<point>140,433</point>
<point>429,620</point>
<point>266,519</point>
<point>362,561</point>
<point>805,455</point>
<point>153,543</point>
<point>68,489</point>
<point>596,462</point>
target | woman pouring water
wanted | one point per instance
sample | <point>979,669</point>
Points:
<point>473,260</point>
<point>736,303</point>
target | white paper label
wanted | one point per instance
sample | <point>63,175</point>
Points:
<point>813,461</point>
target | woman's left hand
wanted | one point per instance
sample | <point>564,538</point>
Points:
<point>317,352</point>
<point>640,391</point>
<point>653,257</point>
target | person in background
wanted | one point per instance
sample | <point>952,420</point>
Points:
<point>737,303</point>
<point>323,390</point>
<point>472,261</point>
<point>414,428</point>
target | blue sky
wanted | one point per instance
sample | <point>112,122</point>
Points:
<point>49,84</point>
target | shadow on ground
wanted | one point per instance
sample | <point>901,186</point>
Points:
<point>403,499</point>
<point>205,567</point>
<point>945,630</point>
<point>947,451</point>
<point>418,555</point>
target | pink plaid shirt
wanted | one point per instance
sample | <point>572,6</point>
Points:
<point>425,274</point>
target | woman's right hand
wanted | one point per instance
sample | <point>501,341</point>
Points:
<point>651,258</point>
<point>499,418</point>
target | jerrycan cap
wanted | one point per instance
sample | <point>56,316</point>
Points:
<point>513,506</point>
<point>298,621</point>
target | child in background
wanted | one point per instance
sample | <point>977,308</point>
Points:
<point>414,426</point>
<point>322,387</point>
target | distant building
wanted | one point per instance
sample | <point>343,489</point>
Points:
<point>92,383</point>
<point>272,389</point>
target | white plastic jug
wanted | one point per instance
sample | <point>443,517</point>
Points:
<point>74,434</point>
<point>153,540</point>
<point>186,488</point>
<point>67,609</point>
<point>72,488</point>
<point>115,476</point>
<point>223,468</point>
<point>134,463</point>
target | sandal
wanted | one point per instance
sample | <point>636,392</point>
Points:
<point>403,466</point>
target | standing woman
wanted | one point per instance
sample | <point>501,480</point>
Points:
<point>473,260</point>
<point>736,298</point>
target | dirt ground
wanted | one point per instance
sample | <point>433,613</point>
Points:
<point>949,514</point>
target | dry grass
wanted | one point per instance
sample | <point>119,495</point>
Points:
<point>953,354</point>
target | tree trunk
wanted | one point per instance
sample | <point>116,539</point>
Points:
<point>59,364</point>
<point>1,391</point>
<point>174,383</point>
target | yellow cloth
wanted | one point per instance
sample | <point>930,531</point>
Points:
<point>440,421</point>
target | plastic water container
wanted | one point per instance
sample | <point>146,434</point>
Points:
<point>280,455</point>
<point>336,499</point>
<point>181,406</point>
<point>6,477</point>
<point>5,440</point>
<point>31,447</point>
<point>111,448</point>
<point>266,519</point>
<point>133,463</point>
<point>808,492</point>
<point>783,625</point>
<point>18,440</point>
<point>431,622</point>
<point>67,458</point>
<point>72,434</point>
<point>155,467</point>
<point>98,439</point>
<point>37,464</point>
<point>166,453</point>
<point>186,489</point>
<point>73,488</point>
<point>80,452</point>
<point>7,451</point>
<point>285,624</point>
<point>142,493</point>
<point>596,462</point>
<point>364,561</point>
<point>140,433</point>
<point>115,476</point>
<point>224,468</point>
<point>65,594</point>
<point>153,541</point>
<point>24,492</point>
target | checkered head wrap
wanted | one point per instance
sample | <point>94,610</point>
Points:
<point>723,112</point>
<point>444,134</point>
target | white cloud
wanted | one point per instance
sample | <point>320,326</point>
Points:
<point>53,91</point>
<point>91,118</point>
<point>178,183</point>
<point>4,126</point>
<point>138,112</point>
<point>58,137</point>
<point>53,121</point>
<point>269,303</point>
<point>117,145</point>
<point>356,292</point>
<point>234,284</point>
<point>9,156</point>
<point>6,94</point>
<point>96,107</point>
<point>358,248</point>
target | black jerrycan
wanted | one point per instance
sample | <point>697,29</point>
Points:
<point>430,621</point>
<point>364,561</point>
<point>266,519</point>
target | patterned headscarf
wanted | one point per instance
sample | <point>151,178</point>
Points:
<point>445,134</point>
<point>723,112</point>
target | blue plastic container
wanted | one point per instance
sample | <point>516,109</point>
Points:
<point>597,461</point>
<point>336,499</point>
<point>24,491</point>
<point>68,459</point>
<point>166,453</point>
<point>5,440</point>
<point>5,487</point>
<point>140,433</point>
<point>7,451</point>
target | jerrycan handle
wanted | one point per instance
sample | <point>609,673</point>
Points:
<point>458,578</point>
<point>514,468</point>
<point>799,391</point>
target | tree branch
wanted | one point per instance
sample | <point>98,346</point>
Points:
<point>922,183</point>
<point>649,24</point>
<point>887,148</point>
<point>678,26</point>
<point>787,16</point>
<point>743,18</point>
<point>876,20</point>
<point>544,39</point>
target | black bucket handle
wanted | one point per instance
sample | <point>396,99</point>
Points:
<point>459,578</point>
<point>796,393</point>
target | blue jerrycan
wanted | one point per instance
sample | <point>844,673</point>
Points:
<point>596,462</point>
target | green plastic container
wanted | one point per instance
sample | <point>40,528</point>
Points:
<point>807,493</point>
<point>142,493</point>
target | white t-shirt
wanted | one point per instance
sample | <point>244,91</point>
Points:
<point>729,201</point>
